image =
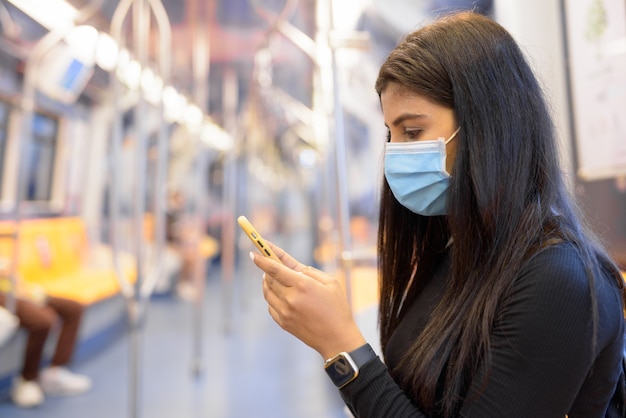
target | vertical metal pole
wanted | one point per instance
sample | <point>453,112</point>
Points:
<point>141,19</point>
<point>136,296</point>
<point>200,73</point>
<point>25,137</point>
<point>343,198</point>
<point>337,135</point>
<point>230,191</point>
<point>28,108</point>
<point>165,41</point>
<point>128,291</point>
<point>197,361</point>
<point>117,22</point>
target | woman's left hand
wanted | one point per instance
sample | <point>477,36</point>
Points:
<point>309,304</point>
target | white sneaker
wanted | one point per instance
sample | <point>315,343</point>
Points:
<point>26,393</point>
<point>59,381</point>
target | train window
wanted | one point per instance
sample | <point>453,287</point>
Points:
<point>40,158</point>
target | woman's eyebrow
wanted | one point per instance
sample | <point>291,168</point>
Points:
<point>407,116</point>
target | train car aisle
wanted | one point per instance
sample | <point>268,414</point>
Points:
<point>256,370</point>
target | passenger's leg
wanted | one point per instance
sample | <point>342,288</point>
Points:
<point>57,379</point>
<point>37,320</point>
<point>71,313</point>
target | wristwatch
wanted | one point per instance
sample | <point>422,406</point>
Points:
<point>344,367</point>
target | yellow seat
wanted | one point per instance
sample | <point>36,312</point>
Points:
<point>55,254</point>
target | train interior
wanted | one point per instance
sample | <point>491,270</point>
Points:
<point>133,133</point>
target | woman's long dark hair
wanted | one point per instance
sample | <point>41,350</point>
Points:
<point>507,199</point>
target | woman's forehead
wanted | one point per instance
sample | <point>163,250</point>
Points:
<point>396,89</point>
<point>397,97</point>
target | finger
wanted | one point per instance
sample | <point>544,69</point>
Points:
<point>266,264</point>
<point>316,274</point>
<point>271,297</point>
<point>270,283</point>
<point>284,257</point>
<point>279,272</point>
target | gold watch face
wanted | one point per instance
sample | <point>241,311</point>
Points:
<point>341,369</point>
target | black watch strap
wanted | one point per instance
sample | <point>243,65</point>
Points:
<point>362,355</point>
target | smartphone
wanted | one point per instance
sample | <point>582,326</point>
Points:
<point>256,238</point>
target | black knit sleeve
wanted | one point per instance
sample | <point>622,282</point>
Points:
<point>542,361</point>
<point>375,394</point>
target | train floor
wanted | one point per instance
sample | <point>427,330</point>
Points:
<point>248,366</point>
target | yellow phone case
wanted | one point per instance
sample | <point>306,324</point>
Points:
<point>256,238</point>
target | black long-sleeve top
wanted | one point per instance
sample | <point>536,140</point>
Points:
<point>542,363</point>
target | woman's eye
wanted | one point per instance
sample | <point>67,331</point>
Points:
<point>412,134</point>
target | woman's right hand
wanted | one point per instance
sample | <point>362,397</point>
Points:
<point>309,304</point>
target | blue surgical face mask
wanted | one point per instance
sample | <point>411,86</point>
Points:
<point>416,173</point>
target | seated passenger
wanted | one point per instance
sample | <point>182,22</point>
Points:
<point>183,239</point>
<point>38,313</point>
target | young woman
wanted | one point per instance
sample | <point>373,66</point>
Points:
<point>495,301</point>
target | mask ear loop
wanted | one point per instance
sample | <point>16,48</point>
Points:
<point>445,154</point>
<point>453,135</point>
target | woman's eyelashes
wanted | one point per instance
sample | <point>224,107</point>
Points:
<point>412,134</point>
<point>407,135</point>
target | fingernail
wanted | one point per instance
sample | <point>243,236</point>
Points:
<point>251,255</point>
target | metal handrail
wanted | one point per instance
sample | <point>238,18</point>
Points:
<point>117,22</point>
<point>275,18</point>
<point>341,173</point>
<point>165,41</point>
<point>229,193</point>
<point>7,23</point>
<point>330,109</point>
<point>200,80</point>
<point>136,296</point>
